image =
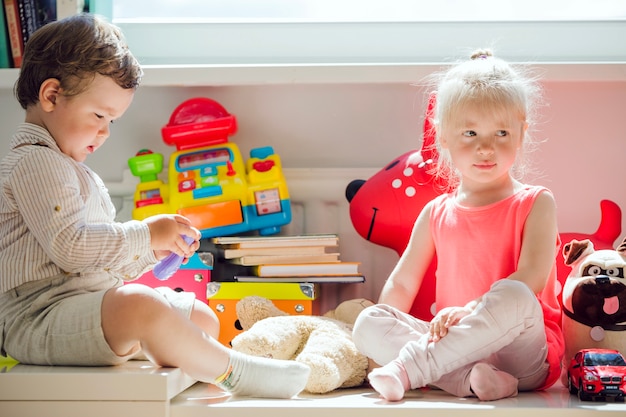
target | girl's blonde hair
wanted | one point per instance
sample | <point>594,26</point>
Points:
<point>73,50</point>
<point>493,84</point>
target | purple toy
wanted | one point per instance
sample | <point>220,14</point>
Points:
<point>168,266</point>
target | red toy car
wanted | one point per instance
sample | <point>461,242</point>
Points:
<point>597,373</point>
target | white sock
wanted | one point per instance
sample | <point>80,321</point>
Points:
<point>261,377</point>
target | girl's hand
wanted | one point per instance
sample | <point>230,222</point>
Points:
<point>445,319</point>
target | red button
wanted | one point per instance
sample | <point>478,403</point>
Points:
<point>186,185</point>
<point>263,166</point>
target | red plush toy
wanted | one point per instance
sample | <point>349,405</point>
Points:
<point>384,208</point>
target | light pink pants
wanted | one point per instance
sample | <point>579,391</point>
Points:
<point>505,330</point>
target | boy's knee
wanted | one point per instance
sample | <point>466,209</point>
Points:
<point>205,318</point>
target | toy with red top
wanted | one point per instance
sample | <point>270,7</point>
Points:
<point>384,207</point>
<point>208,181</point>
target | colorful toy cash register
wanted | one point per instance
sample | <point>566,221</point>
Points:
<point>208,182</point>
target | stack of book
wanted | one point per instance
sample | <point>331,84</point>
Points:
<point>301,258</point>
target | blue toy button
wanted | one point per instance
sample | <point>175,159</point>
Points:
<point>203,192</point>
<point>262,152</point>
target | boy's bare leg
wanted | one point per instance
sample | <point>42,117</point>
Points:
<point>135,317</point>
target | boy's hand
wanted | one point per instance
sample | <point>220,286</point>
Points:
<point>166,232</point>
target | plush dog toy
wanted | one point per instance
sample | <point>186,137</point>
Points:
<point>324,343</point>
<point>609,229</point>
<point>594,298</point>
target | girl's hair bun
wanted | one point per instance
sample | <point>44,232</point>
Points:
<point>481,54</point>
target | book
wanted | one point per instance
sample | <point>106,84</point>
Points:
<point>14,29</point>
<point>5,44</point>
<point>242,242</point>
<point>29,18</point>
<point>284,251</point>
<point>46,11</point>
<point>313,279</point>
<point>251,260</point>
<point>307,269</point>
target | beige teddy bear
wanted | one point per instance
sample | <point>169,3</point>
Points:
<point>324,343</point>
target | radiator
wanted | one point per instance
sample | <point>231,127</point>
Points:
<point>318,205</point>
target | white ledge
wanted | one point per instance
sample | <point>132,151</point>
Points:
<point>338,73</point>
<point>403,73</point>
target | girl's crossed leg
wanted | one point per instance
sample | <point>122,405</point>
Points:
<point>503,340</point>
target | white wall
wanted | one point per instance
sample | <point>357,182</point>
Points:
<point>585,152</point>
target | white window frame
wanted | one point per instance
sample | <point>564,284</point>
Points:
<point>365,42</point>
<point>593,49</point>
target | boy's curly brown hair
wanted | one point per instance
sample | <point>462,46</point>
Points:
<point>73,50</point>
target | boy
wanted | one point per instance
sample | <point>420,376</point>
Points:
<point>63,258</point>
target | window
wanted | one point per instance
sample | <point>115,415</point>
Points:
<point>368,10</point>
<point>327,32</point>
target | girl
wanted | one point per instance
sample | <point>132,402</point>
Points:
<point>497,326</point>
<point>63,258</point>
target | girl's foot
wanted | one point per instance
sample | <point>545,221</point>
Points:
<point>489,383</point>
<point>390,381</point>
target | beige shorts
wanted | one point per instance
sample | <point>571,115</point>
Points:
<point>57,321</point>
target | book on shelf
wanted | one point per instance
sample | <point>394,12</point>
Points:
<point>313,279</point>
<point>241,242</point>
<point>29,20</point>
<point>47,10</point>
<point>252,260</point>
<point>225,253</point>
<point>5,43</point>
<point>14,30</point>
<point>306,269</point>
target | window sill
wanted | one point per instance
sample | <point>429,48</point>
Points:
<point>339,73</point>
